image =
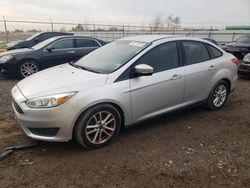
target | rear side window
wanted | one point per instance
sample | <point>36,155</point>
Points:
<point>195,52</point>
<point>162,57</point>
<point>215,51</point>
<point>63,44</point>
<point>82,43</point>
<point>44,36</point>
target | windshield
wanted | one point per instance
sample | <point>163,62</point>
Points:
<point>111,57</point>
<point>33,36</point>
<point>42,44</point>
<point>245,39</point>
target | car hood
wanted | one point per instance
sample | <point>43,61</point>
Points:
<point>60,79</point>
<point>17,52</point>
<point>238,44</point>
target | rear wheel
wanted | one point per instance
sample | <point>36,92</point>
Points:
<point>27,68</point>
<point>98,126</point>
<point>218,96</point>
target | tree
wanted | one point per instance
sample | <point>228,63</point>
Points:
<point>157,23</point>
<point>18,31</point>
<point>63,29</point>
<point>173,22</point>
<point>78,28</point>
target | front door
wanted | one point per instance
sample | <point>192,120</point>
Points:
<point>164,89</point>
<point>59,52</point>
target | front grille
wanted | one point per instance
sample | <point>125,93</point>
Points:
<point>17,107</point>
<point>234,49</point>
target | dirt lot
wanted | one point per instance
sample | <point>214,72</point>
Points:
<point>194,148</point>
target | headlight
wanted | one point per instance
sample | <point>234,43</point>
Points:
<point>5,59</point>
<point>247,58</point>
<point>49,101</point>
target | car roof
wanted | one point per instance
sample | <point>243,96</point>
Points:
<point>71,36</point>
<point>154,38</point>
<point>148,38</point>
<point>57,32</point>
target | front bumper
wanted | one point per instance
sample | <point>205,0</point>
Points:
<point>9,67</point>
<point>238,53</point>
<point>49,124</point>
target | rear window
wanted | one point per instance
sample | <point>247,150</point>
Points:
<point>215,51</point>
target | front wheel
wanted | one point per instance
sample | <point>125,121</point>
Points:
<point>27,68</point>
<point>98,126</point>
<point>218,96</point>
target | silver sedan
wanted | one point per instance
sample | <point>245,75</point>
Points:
<point>125,82</point>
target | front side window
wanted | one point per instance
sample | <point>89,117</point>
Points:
<point>195,52</point>
<point>162,57</point>
<point>63,44</point>
<point>83,43</point>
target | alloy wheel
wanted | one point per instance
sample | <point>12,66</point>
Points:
<point>28,69</point>
<point>220,95</point>
<point>100,127</point>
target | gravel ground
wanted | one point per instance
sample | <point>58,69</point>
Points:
<point>193,148</point>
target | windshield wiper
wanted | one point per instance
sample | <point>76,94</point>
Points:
<point>83,68</point>
<point>89,69</point>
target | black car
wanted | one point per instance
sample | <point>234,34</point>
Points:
<point>51,52</point>
<point>212,40</point>
<point>244,68</point>
<point>239,47</point>
<point>34,40</point>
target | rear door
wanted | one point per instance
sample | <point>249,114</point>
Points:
<point>85,46</point>
<point>200,69</point>
<point>61,51</point>
<point>162,90</point>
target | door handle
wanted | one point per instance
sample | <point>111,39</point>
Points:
<point>71,52</point>
<point>175,77</point>
<point>212,67</point>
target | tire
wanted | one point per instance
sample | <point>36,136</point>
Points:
<point>27,68</point>
<point>91,133</point>
<point>218,96</point>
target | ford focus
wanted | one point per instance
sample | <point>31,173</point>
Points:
<point>122,83</point>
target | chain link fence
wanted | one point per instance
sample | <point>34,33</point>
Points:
<point>12,30</point>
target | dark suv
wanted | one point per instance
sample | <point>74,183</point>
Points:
<point>240,47</point>
<point>34,40</point>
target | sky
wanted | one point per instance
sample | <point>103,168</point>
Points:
<point>192,12</point>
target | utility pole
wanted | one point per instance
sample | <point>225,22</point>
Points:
<point>6,30</point>
<point>52,28</point>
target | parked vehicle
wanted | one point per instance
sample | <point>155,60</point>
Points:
<point>244,68</point>
<point>54,51</point>
<point>212,40</point>
<point>122,83</point>
<point>34,40</point>
<point>239,47</point>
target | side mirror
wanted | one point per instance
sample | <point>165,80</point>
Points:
<point>50,49</point>
<point>144,70</point>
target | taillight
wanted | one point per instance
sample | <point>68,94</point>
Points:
<point>235,61</point>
